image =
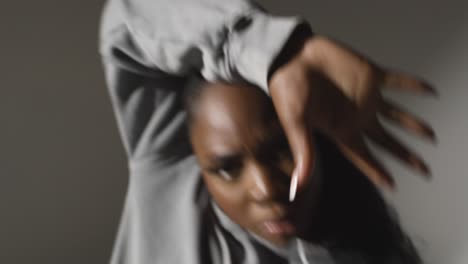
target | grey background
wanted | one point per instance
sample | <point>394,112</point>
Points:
<point>62,166</point>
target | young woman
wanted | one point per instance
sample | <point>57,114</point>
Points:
<point>246,163</point>
<point>150,49</point>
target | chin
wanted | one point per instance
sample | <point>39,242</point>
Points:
<point>278,232</point>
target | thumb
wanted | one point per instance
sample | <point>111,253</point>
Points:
<point>302,147</point>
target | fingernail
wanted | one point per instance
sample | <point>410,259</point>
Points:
<point>422,167</point>
<point>391,185</point>
<point>431,90</point>
<point>293,186</point>
<point>432,135</point>
<point>426,171</point>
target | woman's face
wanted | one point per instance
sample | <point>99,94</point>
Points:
<point>246,162</point>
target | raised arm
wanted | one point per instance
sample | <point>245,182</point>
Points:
<point>222,39</point>
<point>315,82</point>
<point>150,48</point>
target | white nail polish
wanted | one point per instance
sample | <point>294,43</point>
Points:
<point>293,186</point>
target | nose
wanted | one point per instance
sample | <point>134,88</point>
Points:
<point>261,185</point>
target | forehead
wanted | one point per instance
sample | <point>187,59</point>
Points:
<point>233,118</point>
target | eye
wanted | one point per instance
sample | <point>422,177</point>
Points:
<point>279,151</point>
<point>227,167</point>
<point>286,162</point>
<point>225,175</point>
<point>228,173</point>
<point>285,154</point>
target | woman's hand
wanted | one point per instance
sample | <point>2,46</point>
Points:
<point>329,87</point>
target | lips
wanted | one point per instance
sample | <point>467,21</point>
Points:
<point>279,227</point>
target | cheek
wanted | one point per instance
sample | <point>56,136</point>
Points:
<point>284,168</point>
<point>229,196</point>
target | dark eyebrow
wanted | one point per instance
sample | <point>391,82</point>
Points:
<point>224,160</point>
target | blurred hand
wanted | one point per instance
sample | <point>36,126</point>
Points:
<point>331,88</point>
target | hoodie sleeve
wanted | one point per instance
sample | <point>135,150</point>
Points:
<point>151,48</point>
<point>221,39</point>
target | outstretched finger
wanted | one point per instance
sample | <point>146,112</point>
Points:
<point>405,82</point>
<point>359,154</point>
<point>302,148</point>
<point>405,119</point>
<point>389,143</point>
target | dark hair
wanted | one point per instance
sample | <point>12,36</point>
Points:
<point>194,89</point>
<point>191,95</point>
<point>352,216</point>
